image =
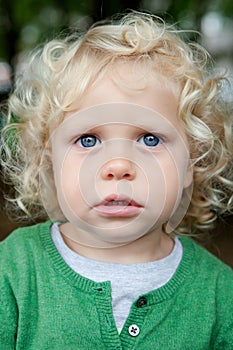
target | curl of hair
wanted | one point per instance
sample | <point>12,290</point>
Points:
<point>58,74</point>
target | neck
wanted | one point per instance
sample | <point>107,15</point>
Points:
<point>155,245</point>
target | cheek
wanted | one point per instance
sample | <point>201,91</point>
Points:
<point>66,178</point>
<point>165,183</point>
<point>171,173</point>
<point>173,185</point>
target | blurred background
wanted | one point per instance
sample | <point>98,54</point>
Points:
<point>26,23</point>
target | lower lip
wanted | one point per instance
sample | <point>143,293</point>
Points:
<point>118,211</point>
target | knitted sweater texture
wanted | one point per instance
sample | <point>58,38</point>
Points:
<point>44,304</point>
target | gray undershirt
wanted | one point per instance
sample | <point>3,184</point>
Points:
<point>128,281</point>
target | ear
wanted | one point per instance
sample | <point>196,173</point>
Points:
<point>188,176</point>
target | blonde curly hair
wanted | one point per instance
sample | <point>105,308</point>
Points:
<point>47,89</point>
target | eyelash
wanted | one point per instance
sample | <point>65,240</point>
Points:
<point>83,140</point>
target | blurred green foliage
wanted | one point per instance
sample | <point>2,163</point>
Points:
<point>25,23</point>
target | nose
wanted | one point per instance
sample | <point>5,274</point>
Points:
<point>118,169</point>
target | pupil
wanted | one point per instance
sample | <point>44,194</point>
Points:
<point>88,141</point>
<point>151,140</point>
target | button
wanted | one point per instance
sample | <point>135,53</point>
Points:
<point>134,330</point>
<point>141,302</point>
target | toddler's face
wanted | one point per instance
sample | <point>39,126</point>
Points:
<point>121,162</point>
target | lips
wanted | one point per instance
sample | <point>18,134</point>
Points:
<point>115,205</point>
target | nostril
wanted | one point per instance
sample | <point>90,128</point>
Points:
<point>126,176</point>
<point>116,175</point>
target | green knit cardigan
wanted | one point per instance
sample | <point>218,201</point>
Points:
<point>44,304</point>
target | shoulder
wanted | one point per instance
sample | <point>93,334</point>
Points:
<point>211,290</point>
<point>209,273</point>
<point>23,241</point>
<point>26,232</point>
<point>203,259</point>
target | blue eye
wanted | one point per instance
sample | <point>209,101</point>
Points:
<point>149,140</point>
<point>88,141</point>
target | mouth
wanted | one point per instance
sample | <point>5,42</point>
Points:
<point>118,206</point>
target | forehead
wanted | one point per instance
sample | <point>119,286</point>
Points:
<point>117,116</point>
<point>134,83</point>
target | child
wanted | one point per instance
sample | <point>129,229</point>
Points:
<point>120,140</point>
